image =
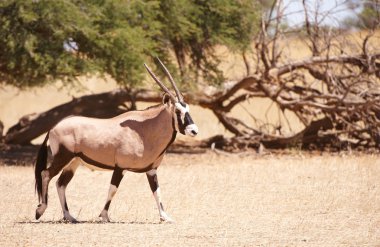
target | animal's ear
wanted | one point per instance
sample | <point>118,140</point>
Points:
<point>166,99</point>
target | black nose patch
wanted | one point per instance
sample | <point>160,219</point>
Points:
<point>188,120</point>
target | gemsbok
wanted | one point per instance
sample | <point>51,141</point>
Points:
<point>133,141</point>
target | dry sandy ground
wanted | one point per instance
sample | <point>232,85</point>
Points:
<point>238,200</point>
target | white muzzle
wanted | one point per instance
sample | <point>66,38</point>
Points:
<point>191,130</point>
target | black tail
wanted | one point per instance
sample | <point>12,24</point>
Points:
<point>41,164</point>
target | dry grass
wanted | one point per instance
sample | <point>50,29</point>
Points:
<point>247,200</point>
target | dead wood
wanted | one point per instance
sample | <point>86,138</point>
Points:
<point>102,105</point>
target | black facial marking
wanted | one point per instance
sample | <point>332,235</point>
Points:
<point>181,126</point>
<point>153,182</point>
<point>188,119</point>
<point>117,176</point>
<point>178,113</point>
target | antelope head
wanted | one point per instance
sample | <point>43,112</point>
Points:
<point>180,110</point>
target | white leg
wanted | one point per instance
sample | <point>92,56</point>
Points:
<point>117,176</point>
<point>163,215</point>
<point>104,214</point>
<point>62,182</point>
<point>153,182</point>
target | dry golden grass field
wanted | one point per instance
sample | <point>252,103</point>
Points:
<point>295,199</point>
<point>216,200</point>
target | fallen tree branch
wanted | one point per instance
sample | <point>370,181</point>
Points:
<point>103,105</point>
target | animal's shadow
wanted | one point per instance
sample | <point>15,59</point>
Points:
<point>95,222</point>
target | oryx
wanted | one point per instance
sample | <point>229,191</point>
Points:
<point>133,141</point>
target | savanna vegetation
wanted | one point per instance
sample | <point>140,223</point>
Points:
<point>332,91</point>
<point>256,83</point>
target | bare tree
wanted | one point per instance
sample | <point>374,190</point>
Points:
<point>335,92</point>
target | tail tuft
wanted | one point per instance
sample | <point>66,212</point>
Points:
<point>41,163</point>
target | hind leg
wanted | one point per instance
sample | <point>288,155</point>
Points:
<point>62,182</point>
<point>60,160</point>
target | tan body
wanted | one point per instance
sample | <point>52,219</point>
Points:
<point>131,141</point>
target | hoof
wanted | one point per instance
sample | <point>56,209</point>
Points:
<point>105,218</point>
<point>167,220</point>
<point>40,211</point>
<point>38,215</point>
<point>73,221</point>
<point>70,219</point>
<point>164,217</point>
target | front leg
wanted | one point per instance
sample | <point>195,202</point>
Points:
<point>153,183</point>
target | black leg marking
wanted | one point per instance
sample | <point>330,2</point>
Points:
<point>115,182</point>
<point>62,182</point>
<point>60,160</point>
<point>153,182</point>
<point>117,176</point>
<point>65,178</point>
<point>107,206</point>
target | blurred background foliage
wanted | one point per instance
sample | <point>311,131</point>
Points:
<point>44,40</point>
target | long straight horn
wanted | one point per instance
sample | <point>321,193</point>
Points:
<point>163,87</point>
<point>180,98</point>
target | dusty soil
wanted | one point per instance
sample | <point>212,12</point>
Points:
<point>216,200</point>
